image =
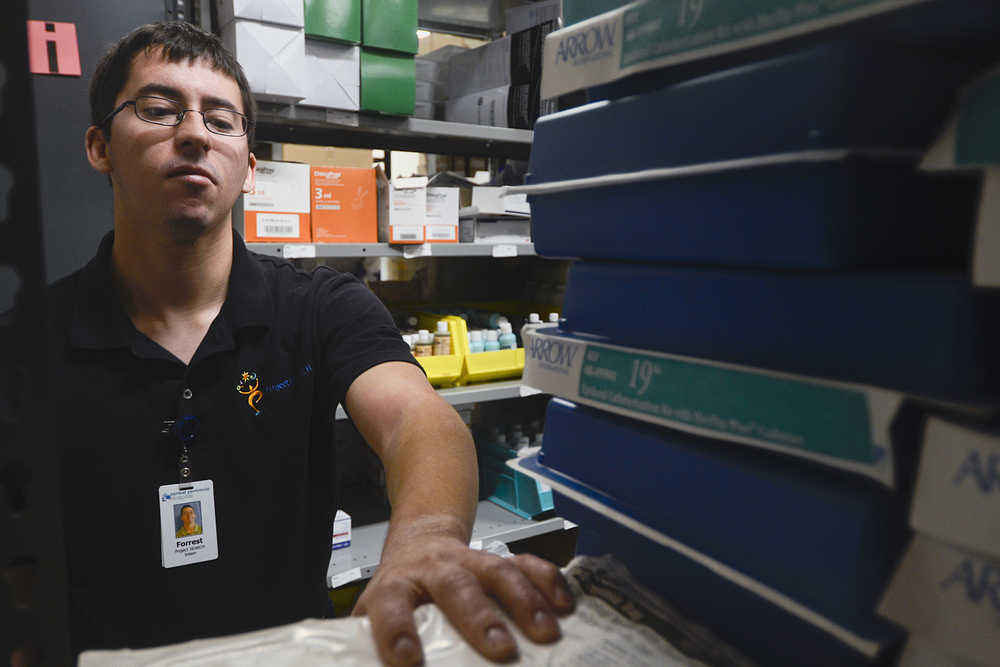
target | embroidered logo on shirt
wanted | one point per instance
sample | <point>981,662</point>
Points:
<point>249,386</point>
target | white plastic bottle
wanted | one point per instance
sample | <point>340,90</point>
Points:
<point>506,338</point>
<point>554,318</point>
<point>425,344</point>
<point>442,339</point>
<point>534,321</point>
<point>475,341</point>
<point>492,343</point>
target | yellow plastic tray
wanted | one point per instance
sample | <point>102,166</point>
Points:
<point>445,370</point>
<point>498,365</point>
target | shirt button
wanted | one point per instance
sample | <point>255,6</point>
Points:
<point>187,394</point>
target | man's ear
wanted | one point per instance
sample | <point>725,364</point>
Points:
<point>98,150</point>
<point>250,181</point>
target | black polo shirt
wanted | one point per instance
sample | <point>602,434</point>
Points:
<point>306,337</point>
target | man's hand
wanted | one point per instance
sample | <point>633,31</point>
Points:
<point>420,566</point>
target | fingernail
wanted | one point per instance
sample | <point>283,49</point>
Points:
<point>563,598</point>
<point>542,617</point>
<point>404,647</point>
<point>498,637</point>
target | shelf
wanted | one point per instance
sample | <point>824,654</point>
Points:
<point>309,250</point>
<point>313,125</point>
<point>476,393</point>
<point>493,523</point>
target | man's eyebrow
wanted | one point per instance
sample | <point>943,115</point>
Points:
<point>209,101</point>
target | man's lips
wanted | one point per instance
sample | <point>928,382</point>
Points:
<point>190,170</point>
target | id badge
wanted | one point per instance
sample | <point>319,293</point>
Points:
<point>187,523</point>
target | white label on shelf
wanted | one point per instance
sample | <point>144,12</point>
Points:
<point>297,250</point>
<point>335,117</point>
<point>422,250</point>
<point>339,580</point>
<point>525,390</point>
<point>505,250</point>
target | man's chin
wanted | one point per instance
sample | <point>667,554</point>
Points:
<point>188,228</point>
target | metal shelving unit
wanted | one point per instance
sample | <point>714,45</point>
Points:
<point>312,125</point>
<point>477,393</point>
<point>307,250</point>
<point>493,523</point>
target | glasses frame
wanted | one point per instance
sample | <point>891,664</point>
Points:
<point>179,118</point>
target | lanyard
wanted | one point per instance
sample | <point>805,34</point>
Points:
<point>184,431</point>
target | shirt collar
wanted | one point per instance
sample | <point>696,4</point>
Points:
<point>100,321</point>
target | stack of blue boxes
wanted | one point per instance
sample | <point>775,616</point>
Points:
<point>764,275</point>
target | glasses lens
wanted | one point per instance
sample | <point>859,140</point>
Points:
<point>224,121</point>
<point>157,110</point>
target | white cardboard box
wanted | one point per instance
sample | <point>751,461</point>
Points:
<point>949,597</point>
<point>489,200</point>
<point>282,12</point>
<point>332,76</point>
<point>957,496</point>
<point>273,58</point>
<point>487,107</point>
<point>407,209</point>
<point>441,225</point>
<point>279,207</point>
<point>503,231</point>
<point>341,530</point>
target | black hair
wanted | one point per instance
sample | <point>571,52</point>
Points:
<point>178,41</point>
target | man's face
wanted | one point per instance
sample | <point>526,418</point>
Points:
<point>183,177</point>
<point>187,516</point>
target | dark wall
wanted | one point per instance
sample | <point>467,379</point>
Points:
<point>76,200</point>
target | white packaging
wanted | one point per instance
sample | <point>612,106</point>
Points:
<point>282,12</point>
<point>441,225</point>
<point>487,107</point>
<point>273,58</point>
<point>279,206</point>
<point>341,530</point>
<point>489,200</point>
<point>957,496</point>
<point>332,76</point>
<point>503,231</point>
<point>407,209</point>
<point>949,597</point>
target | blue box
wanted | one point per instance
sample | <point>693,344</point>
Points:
<point>771,633</point>
<point>832,213</point>
<point>828,539</point>
<point>926,333</point>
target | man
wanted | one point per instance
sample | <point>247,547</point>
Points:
<point>189,368</point>
<point>189,523</point>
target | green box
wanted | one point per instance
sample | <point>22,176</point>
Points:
<point>389,24</point>
<point>334,19</point>
<point>388,82</point>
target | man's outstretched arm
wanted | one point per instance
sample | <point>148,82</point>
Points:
<point>432,482</point>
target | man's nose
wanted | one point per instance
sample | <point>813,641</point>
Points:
<point>192,129</point>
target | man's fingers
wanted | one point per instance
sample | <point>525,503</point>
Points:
<point>390,611</point>
<point>460,596</point>
<point>548,580</point>
<point>506,581</point>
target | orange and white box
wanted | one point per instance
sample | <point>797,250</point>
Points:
<point>407,209</point>
<point>277,211</point>
<point>344,205</point>
<point>442,215</point>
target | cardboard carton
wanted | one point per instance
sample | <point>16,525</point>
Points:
<point>344,205</point>
<point>332,76</point>
<point>277,211</point>
<point>442,215</point>
<point>273,58</point>
<point>407,209</point>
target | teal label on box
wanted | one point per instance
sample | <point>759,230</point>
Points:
<point>660,28</point>
<point>977,139</point>
<point>811,417</point>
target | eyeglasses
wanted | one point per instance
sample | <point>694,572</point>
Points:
<point>162,111</point>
